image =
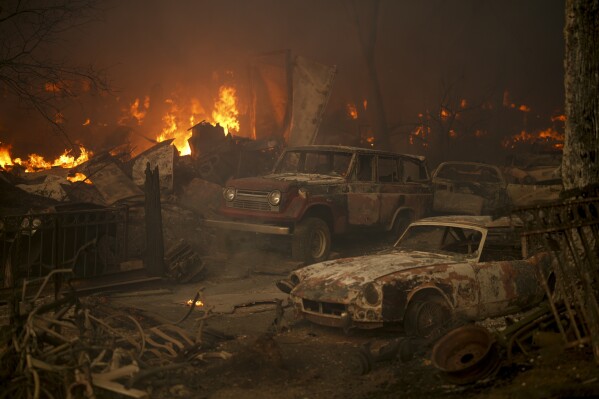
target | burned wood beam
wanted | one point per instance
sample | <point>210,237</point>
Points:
<point>154,256</point>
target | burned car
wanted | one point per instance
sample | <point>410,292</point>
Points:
<point>468,188</point>
<point>467,267</point>
<point>318,191</point>
<point>534,179</point>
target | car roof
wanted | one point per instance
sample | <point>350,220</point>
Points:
<point>344,148</point>
<point>475,221</point>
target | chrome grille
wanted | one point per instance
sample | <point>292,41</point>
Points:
<point>252,200</point>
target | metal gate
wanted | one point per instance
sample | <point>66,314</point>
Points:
<point>570,232</point>
<point>91,242</point>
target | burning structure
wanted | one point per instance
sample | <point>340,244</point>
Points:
<point>122,212</point>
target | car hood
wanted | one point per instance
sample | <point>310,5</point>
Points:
<point>495,185</point>
<point>306,178</point>
<point>333,280</point>
<point>283,181</point>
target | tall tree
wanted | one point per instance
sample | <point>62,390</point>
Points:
<point>580,164</point>
<point>28,69</point>
<point>367,39</point>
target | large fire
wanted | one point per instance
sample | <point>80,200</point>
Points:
<point>35,162</point>
<point>174,129</point>
<point>179,119</point>
<point>225,110</point>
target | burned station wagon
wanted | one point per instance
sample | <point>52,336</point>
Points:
<point>465,266</point>
<point>318,191</point>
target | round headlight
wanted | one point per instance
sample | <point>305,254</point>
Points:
<point>294,278</point>
<point>371,294</point>
<point>229,193</point>
<point>274,197</point>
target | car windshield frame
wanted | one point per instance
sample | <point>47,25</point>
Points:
<point>317,162</point>
<point>474,244</point>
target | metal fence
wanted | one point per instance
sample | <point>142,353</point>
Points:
<point>91,242</point>
<point>570,232</point>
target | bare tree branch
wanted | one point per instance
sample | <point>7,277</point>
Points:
<point>27,29</point>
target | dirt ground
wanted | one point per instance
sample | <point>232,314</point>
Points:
<point>302,360</point>
<point>268,355</point>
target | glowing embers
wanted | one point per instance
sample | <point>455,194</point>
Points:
<point>198,303</point>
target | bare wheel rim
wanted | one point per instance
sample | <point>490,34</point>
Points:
<point>317,244</point>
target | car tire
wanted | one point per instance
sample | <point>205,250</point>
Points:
<point>426,318</point>
<point>311,241</point>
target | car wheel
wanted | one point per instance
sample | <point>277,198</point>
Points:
<point>425,318</point>
<point>311,241</point>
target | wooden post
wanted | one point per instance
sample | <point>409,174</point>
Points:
<point>154,254</point>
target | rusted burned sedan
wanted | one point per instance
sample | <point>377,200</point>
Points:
<point>466,266</point>
<point>470,188</point>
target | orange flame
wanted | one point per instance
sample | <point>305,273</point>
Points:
<point>225,113</point>
<point>524,108</point>
<point>444,113</point>
<point>198,302</point>
<point>174,130</point>
<point>225,110</point>
<point>59,118</point>
<point>78,177</point>
<point>139,112</point>
<point>36,162</point>
<point>548,135</point>
<point>352,112</point>
<point>5,159</point>
<point>53,87</point>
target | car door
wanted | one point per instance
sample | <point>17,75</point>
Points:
<point>416,186</point>
<point>391,187</point>
<point>507,283</point>
<point>363,201</point>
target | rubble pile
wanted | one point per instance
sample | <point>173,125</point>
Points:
<point>75,347</point>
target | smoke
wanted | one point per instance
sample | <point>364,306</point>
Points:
<point>188,49</point>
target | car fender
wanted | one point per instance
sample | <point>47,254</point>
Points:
<point>429,288</point>
<point>400,210</point>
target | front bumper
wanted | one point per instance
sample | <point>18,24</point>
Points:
<point>334,314</point>
<point>249,227</point>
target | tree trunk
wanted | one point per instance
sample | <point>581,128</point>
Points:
<point>375,103</point>
<point>580,164</point>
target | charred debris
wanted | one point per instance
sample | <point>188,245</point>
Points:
<point>112,220</point>
<point>63,246</point>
